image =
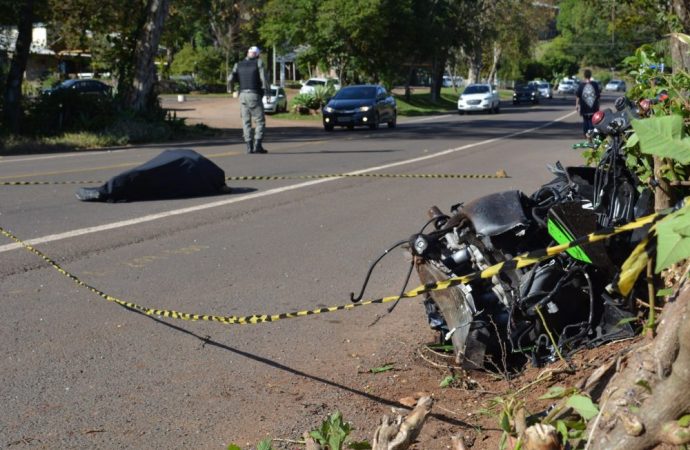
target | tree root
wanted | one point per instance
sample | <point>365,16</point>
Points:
<point>399,433</point>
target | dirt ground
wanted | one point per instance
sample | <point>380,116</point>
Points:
<point>221,112</point>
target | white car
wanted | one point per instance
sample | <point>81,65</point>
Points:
<point>615,85</point>
<point>311,84</point>
<point>479,97</point>
<point>567,86</point>
<point>544,88</point>
<point>449,81</point>
<point>276,100</point>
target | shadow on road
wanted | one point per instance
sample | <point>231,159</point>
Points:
<point>206,340</point>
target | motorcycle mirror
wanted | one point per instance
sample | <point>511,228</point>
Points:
<point>597,117</point>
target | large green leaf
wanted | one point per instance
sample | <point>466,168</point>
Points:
<point>583,406</point>
<point>663,136</point>
<point>673,243</point>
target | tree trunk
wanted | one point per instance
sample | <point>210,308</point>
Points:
<point>641,403</point>
<point>13,88</point>
<point>475,66</point>
<point>679,50</point>
<point>141,92</point>
<point>493,74</point>
<point>437,68</point>
<point>663,195</point>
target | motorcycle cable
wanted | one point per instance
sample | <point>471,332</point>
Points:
<point>409,271</point>
<point>354,299</point>
<point>371,269</point>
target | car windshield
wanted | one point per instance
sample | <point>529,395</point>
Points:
<point>274,92</point>
<point>315,83</point>
<point>350,93</point>
<point>476,89</point>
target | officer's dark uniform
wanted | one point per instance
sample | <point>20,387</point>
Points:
<point>252,79</point>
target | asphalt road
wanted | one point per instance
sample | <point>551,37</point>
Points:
<point>80,372</point>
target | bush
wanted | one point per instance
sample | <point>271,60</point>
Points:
<point>172,87</point>
<point>68,111</point>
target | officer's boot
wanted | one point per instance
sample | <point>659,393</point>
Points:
<point>258,148</point>
<point>250,147</point>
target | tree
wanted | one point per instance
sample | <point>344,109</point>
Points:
<point>137,92</point>
<point>21,14</point>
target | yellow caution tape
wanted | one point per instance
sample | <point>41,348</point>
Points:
<point>511,264</point>
<point>498,174</point>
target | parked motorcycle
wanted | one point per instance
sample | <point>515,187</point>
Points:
<point>554,307</point>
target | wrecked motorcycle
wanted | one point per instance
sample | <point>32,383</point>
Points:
<point>557,306</point>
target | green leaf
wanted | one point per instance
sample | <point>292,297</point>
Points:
<point>673,243</point>
<point>364,445</point>
<point>626,321</point>
<point>562,430</point>
<point>441,347</point>
<point>583,406</point>
<point>554,392</point>
<point>632,141</point>
<point>684,421</point>
<point>504,440</point>
<point>233,447</point>
<point>447,381</point>
<point>645,385</point>
<point>385,368</point>
<point>664,292</point>
<point>505,422</point>
<point>663,136</point>
<point>318,436</point>
<point>264,445</point>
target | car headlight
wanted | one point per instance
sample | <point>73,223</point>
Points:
<point>364,108</point>
<point>328,109</point>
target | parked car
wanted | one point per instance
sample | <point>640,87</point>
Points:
<point>448,81</point>
<point>523,93</point>
<point>360,105</point>
<point>615,85</point>
<point>87,87</point>
<point>276,100</point>
<point>567,86</point>
<point>309,85</point>
<point>479,97</point>
<point>544,88</point>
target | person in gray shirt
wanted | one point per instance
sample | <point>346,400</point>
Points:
<point>251,76</point>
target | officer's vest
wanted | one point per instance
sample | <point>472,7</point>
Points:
<point>248,74</point>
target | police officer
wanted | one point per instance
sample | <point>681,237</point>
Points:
<point>250,74</point>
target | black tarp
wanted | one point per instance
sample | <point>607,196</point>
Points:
<point>172,174</point>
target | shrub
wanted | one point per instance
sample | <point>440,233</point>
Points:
<point>68,111</point>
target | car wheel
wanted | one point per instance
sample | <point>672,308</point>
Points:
<point>328,127</point>
<point>394,121</point>
<point>350,127</point>
<point>375,124</point>
<point>498,108</point>
<point>461,112</point>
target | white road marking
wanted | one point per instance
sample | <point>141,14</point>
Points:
<point>216,204</point>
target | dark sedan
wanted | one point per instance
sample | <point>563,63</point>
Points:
<point>360,105</point>
<point>524,93</point>
<point>87,87</point>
